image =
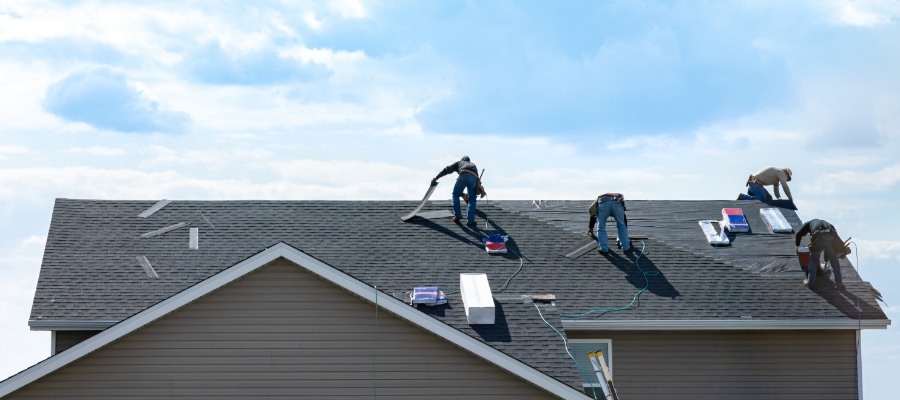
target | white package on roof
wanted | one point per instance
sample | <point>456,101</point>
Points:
<point>775,220</point>
<point>711,235</point>
<point>477,298</point>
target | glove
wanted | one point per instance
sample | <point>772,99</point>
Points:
<point>481,193</point>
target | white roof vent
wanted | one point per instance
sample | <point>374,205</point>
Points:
<point>477,298</point>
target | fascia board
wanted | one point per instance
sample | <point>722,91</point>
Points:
<point>742,324</point>
<point>317,267</point>
<point>67,325</point>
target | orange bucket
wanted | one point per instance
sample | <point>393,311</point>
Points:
<point>803,257</point>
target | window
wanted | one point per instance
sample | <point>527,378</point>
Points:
<point>580,349</point>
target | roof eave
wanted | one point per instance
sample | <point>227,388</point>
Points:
<point>70,325</point>
<point>734,324</point>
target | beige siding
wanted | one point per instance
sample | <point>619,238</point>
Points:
<point>728,365</point>
<point>280,331</point>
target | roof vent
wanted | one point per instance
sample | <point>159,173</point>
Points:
<point>477,298</point>
<point>156,207</point>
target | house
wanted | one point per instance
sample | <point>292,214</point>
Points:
<point>308,299</point>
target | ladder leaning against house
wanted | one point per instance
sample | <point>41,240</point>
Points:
<point>603,375</point>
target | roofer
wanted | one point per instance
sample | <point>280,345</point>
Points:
<point>468,180</point>
<point>606,205</point>
<point>769,176</point>
<point>823,239</point>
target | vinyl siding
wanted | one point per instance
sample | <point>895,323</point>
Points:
<point>280,331</point>
<point>727,365</point>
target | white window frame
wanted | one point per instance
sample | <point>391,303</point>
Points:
<point>609,345</point>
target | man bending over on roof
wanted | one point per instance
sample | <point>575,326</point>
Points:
<point>468,180</point>
<point>609,204</point>
<point>823,238</point>
<point>773,176</point>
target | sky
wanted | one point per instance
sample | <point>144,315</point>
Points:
<point>356,99</point>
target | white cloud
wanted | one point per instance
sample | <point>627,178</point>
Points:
<point>310,18</point>
<point>19,265</point>
<point>878,249</point>
<point>866,13</point>
<point>97,151</point>
<point>858,181</point>
<point>361,181</point>
<point>350,9</point>
<point>6,150</point>
<point>13,150</point>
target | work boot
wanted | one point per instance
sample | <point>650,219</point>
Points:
<point>839,286</point>
<point>740,196</point>
<point>807,284</point>
<point>473,223</point>
<point>457,218</point>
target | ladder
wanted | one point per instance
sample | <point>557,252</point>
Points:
<point>603,375</point>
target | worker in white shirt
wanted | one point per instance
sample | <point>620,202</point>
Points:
<point>769,176</point>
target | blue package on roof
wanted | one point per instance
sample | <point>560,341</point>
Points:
<point>734,220</point>
<point>428,296</point>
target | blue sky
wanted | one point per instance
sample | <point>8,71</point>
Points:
<point>353,99</point>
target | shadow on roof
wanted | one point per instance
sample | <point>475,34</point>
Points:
<point>499,331</point>
<point>659,285</point>
<point>844,300</point>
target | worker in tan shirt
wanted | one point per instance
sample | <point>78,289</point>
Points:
<point>773,176</point>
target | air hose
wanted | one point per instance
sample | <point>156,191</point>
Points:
<point>566,345</point>
<point>505,285</point>
<point>646,274</point>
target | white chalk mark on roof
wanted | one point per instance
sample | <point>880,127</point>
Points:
<point>205,219</point>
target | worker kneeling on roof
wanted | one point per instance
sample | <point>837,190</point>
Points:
<point>606,205</point>
<point>823,239</point>
<point>468,180</point>
<point>769,176</point>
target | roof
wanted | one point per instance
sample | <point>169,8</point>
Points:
<point>90,274</point>
<point>89,271</point>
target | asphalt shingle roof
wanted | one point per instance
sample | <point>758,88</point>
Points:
<point>89,270</point>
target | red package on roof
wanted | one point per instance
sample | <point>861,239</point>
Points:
<point>495,243</point>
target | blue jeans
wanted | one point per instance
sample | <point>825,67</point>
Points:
<point>759,192</point>
<point>830,256</point>
<point>604,211</point>
<point>470,183</point>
